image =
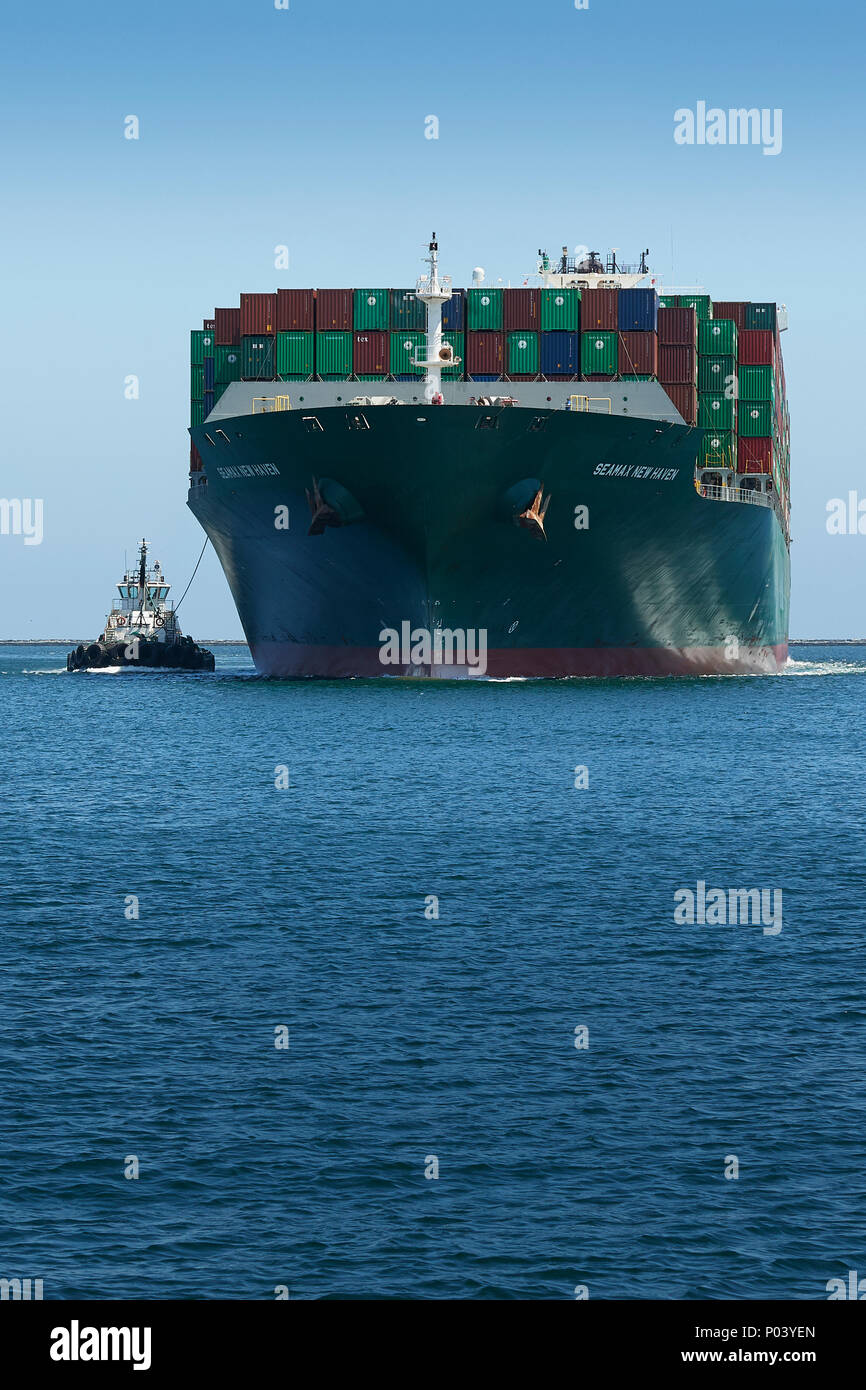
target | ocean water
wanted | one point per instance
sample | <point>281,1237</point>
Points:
<point>418,1041</point>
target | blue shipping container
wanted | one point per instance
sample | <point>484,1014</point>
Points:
<point>484,376</point>
<point>453,312</point>
<point>560,354</point>
<point>638,309</point>
<point>208,374</point>
<point>208,402</point>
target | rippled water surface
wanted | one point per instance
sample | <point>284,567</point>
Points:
<point>414,1037</point>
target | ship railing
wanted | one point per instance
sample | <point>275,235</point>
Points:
<point>583,403</point>
<point>423,285</point>
<point>265,405</point>
<point>715,492</point>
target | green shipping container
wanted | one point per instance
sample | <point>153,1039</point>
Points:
<point>717,337</point>
<point>257,357</point>
<point>560,309</point>
<point>227,364</point>
<point>201,345</point>
<point>716,411</point>
<point>484,309</point>
<point>405,346</point>
<point>637,376</point>
<point>760,316</point>
<point>458,345</point>
<point>522,353</point>
<point>701,303</point>
<point>407,311</point>
<point>756,420</point>
<point>757,384</point>
<point>334,354</point>
<point>196,382</point>
<point>717,374</point>
<point>373,309</point>
<point>599,352</point>
<point>718,449</point>
<point>196,412</point>
<point>294,355</point>
<point>668,301</point>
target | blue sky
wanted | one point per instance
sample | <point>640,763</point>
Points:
<point>305,127</point>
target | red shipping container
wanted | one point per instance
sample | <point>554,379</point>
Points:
<point>638,353</point>
<point>372,353</point>
<point>227,327</point>
<point>484,353</point>
<point>730,309</point>
<point>521,310</point>
<point>258,313</point>
<point>754,455</point>
<point>295,311</point>
<point>334,309</point>
<point>678,327</point>
<point>599,309</point>
<point>208,325</point>
<point>685,398</point>
<point>677,365</point>
<point>756,347</point>
<point>195,463</point>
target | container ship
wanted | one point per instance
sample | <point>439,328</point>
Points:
<point>584,476</point>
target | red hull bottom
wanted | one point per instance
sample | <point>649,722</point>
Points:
<point>289,660</point>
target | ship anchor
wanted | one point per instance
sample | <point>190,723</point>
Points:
<point>533,517</point>
<point>322,515</point>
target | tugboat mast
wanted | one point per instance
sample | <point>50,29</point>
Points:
<point>142,579</point>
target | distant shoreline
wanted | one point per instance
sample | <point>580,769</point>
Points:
<point>239,642</point>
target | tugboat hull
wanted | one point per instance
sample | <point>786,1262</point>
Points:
<point>176,656</point>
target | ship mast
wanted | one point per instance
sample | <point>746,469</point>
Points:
<point>142,580</point>
<point>434,293</point>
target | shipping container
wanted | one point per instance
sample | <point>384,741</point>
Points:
<point>717,337</point>
<point>334,350</point>
<point>407,311</point>
<point>718,449</point>
<point>484,310</point>
<point>208,325</point>
<point>716,411</point>
<point>207,403</point>
<point>257,357</point>
<point>677,364</point>
<point>453,313</point>
<point>638,352</point>
<point>718,374</point>
<point>560,311</point>
<point>209,377</point>
<point>755,419</point>
<point>638,310</point>
<point>457,344</point>
<point>559,354</point>
<point>522,356</point>
<point>295,311</point>
<point>637,376</point>
<point>761,316</point>
<point>756,346</point>
<point>678,327</point>
<point>599,353</point>
<point>196,412</point>
<point>334,311</point>
<point>227,363</point>
<point>598,309</point>
<point>228,327</point>
<point>201,345</point>
<point>521,310</point>
<point>219,389</point>
<point>294,355</point>
<point>404,347</point>
<point>372,310</point>
<point>757,384</point>
<point>195,463</point>
<point>667,301</point>
<point>701,303</point>
<point>196,382</point>
<point>685,398</point>
<point>730,309</point>
<point>372,353</point>
<point>258,314</point>
<point>485,354</point>
<point>754,455</point>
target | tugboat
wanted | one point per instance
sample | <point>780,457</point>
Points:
<point>142,629</point>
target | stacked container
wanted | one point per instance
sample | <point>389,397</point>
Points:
<point>678,357</point>
<point>638,344</point>
<point>717,390</point>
